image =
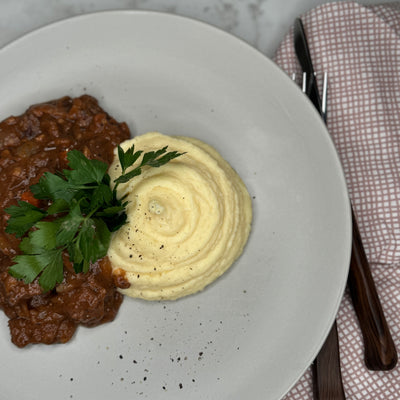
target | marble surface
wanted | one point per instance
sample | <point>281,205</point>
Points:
<point>261,23</point>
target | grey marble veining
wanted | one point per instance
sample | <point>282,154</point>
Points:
<point>261,23</point>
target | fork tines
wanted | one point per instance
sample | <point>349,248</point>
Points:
<point>304,81</point>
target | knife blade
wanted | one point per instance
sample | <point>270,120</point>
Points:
<point>379,350</point>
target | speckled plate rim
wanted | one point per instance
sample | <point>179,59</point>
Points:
<point>143,67</point>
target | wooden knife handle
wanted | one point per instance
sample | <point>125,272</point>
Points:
<point>327,376</point>
<point>380,352</point>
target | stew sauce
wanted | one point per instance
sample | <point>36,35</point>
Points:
<point>31,144</point>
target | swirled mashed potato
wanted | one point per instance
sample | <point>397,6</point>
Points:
<point>188,220</point>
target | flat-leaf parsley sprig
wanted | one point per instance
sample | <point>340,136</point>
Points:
<point>84,210</point>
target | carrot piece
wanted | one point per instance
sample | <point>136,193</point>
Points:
<point>28,197</point>
<point>63,156</point>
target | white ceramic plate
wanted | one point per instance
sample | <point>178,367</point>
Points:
<point>254,332</point>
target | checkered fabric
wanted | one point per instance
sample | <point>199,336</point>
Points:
<point>359,47</point>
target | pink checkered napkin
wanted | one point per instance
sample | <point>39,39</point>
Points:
<point>359,47</point>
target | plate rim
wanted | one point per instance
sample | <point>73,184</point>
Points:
<point>256,52</point>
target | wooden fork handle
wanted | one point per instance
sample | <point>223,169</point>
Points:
<point>380,352</point>
<point>327,376</point>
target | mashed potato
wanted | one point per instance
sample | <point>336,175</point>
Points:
<point>188,220</point>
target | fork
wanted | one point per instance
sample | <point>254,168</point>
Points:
<point>380,353</point>
<point>327,375</point>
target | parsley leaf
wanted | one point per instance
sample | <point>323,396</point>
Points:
<point>54,271</point>
<point>128,157</point>
<point>83,212</point>
<point>84,170</point>
<point>27,267</point>
<point>151,159</point>
<point>94,239</point>
<point>53,187</point>
<point>44,236</point>
<point>69,226</point>
<point>102,194</point>
<point>23,217</point>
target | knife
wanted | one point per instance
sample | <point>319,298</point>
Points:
<point>379,349</point>
<point>327,375</point>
